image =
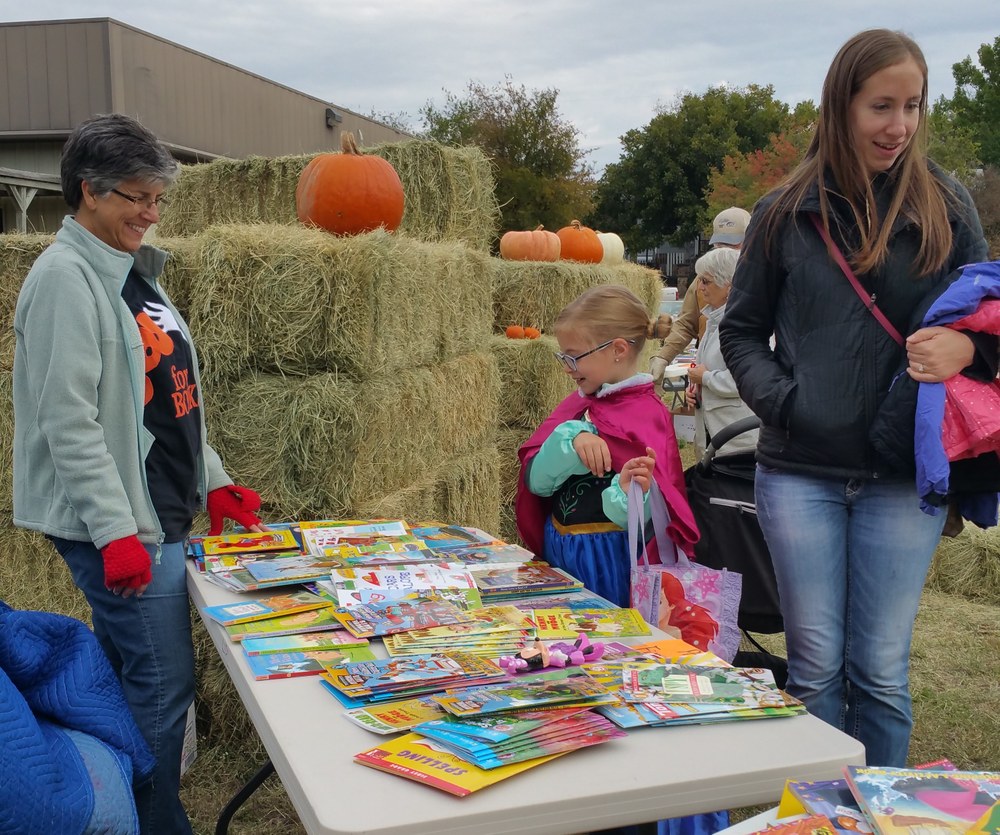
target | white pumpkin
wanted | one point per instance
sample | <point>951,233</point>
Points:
<point>614,248</point>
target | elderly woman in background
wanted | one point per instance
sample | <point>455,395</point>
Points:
<point>111,460</point>
<point>712,390</point>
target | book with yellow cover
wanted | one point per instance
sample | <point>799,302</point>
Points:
<point>557,624</point>
<point>250,542</point>
<point>265,607</point>
<point>416,758</point>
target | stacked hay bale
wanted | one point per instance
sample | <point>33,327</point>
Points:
<point>532,293</point>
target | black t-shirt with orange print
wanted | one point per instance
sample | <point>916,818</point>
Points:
<point>172,410</point>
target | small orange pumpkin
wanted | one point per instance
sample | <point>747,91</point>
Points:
<point>578,243</point>
<point>532,333</point>
<point>537,245</point>
<point>514,332</point>
<point>349,193</point>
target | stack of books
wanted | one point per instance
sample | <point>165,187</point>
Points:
<point>419,610</point>
<point>265,608</point>
<point>495,740</point>
<point>668,694</point>
<point>492,632</point>
<point>932,798</point>
<point>530,578</point>
<point>566,687</point>
<point>384,679</point>
<point>562,624</point>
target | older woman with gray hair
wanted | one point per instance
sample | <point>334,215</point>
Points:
<point>111,459</point>
<point>712,390</point>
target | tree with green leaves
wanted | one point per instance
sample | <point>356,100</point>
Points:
<point>541,170</point>
<point>975,106</point>
<point>656,191</point>
<point>951,145</point>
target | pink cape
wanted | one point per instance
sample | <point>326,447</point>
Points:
<point>971,424</point>
<point>628,420</point>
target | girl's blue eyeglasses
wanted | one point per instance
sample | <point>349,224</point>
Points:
<point>571,362</point>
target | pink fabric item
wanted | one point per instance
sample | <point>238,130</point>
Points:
<point>971,423</point>
<point>629,420</point>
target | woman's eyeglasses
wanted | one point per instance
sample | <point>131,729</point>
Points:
<point>571,362</point>
<point>146,202</point>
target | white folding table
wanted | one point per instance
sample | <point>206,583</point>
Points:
<point>654,773</point>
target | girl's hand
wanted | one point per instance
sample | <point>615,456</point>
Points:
<point>639,469</point>
<point>936,354</point>
<point>593,452</point>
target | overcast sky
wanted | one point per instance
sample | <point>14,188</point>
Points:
<point>613,63</point>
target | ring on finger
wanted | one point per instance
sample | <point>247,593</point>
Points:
<point>920,367</point>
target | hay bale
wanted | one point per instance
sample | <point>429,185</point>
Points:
<point>326,445</point>
<point>969,565</point>
<point>448,193</point>
<point>299,301</point>
<point>35,577</point>
<point>532,382</point>
<point>462,490</point>
<point>17,254</point>
<point>533,293</point>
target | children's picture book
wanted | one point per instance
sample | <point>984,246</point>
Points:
<point>302,642</point>
<point>525,579</point>
<point>250,542</point>
<point>443,537</point>
<point>395,717</point>
<point>314,620</point>
<point>692,684</point>
<point>560,624</point>
<point>901,801</point>
<point>417,758</point>
<point>522,693</point>
<point>351,542</point>
<point>414,611</point>
<point>290,569</point>
<point>377,584</point>
<point>265,607</point>
<point>485,557</point>
<point>292,664</point>
<point>834,799</point>
<point>556,735</point>
<point>573,600</point>
<point>801,825</point>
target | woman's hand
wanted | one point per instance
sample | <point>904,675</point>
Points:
<point>593,451</point>
<point>696,373</point>
<point>639,469</point>
<point>936,354</point>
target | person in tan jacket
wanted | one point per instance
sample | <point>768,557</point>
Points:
<point>728,230</point>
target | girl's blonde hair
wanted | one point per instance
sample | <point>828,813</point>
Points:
<point>919,195</point>
<point>610,311</point>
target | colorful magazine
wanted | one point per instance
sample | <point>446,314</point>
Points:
<point>356,585</point>
<point>901,801</point>
<point>563,624</point>
<point>302,642</point>
<point>417,758</point>
<point>292,664</point>
<point>522,694</point>
<point>414,611</point>
<point>250,542</point>
<point>265,607</point>
<point>301,623</point>
<point>395,717</point>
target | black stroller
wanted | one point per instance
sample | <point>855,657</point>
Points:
<point>720,492</point>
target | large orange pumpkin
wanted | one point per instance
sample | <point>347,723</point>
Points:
<point>578,243</point>
<point>350,192</point>
<point>537,245</point>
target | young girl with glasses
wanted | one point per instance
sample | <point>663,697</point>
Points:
<point>572,506</point>
<point>572,499</point>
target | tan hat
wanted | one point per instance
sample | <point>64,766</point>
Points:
<point>729,226</point>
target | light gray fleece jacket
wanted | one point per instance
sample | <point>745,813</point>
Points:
<point>79,383</point>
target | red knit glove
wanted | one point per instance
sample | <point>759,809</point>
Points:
<point>126,563</point>
<point>232,502</point>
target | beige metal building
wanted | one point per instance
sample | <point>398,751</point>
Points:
<point>58,73</point>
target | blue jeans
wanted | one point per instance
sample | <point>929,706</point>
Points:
<point>148,641</point>
<point>850,557</point>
